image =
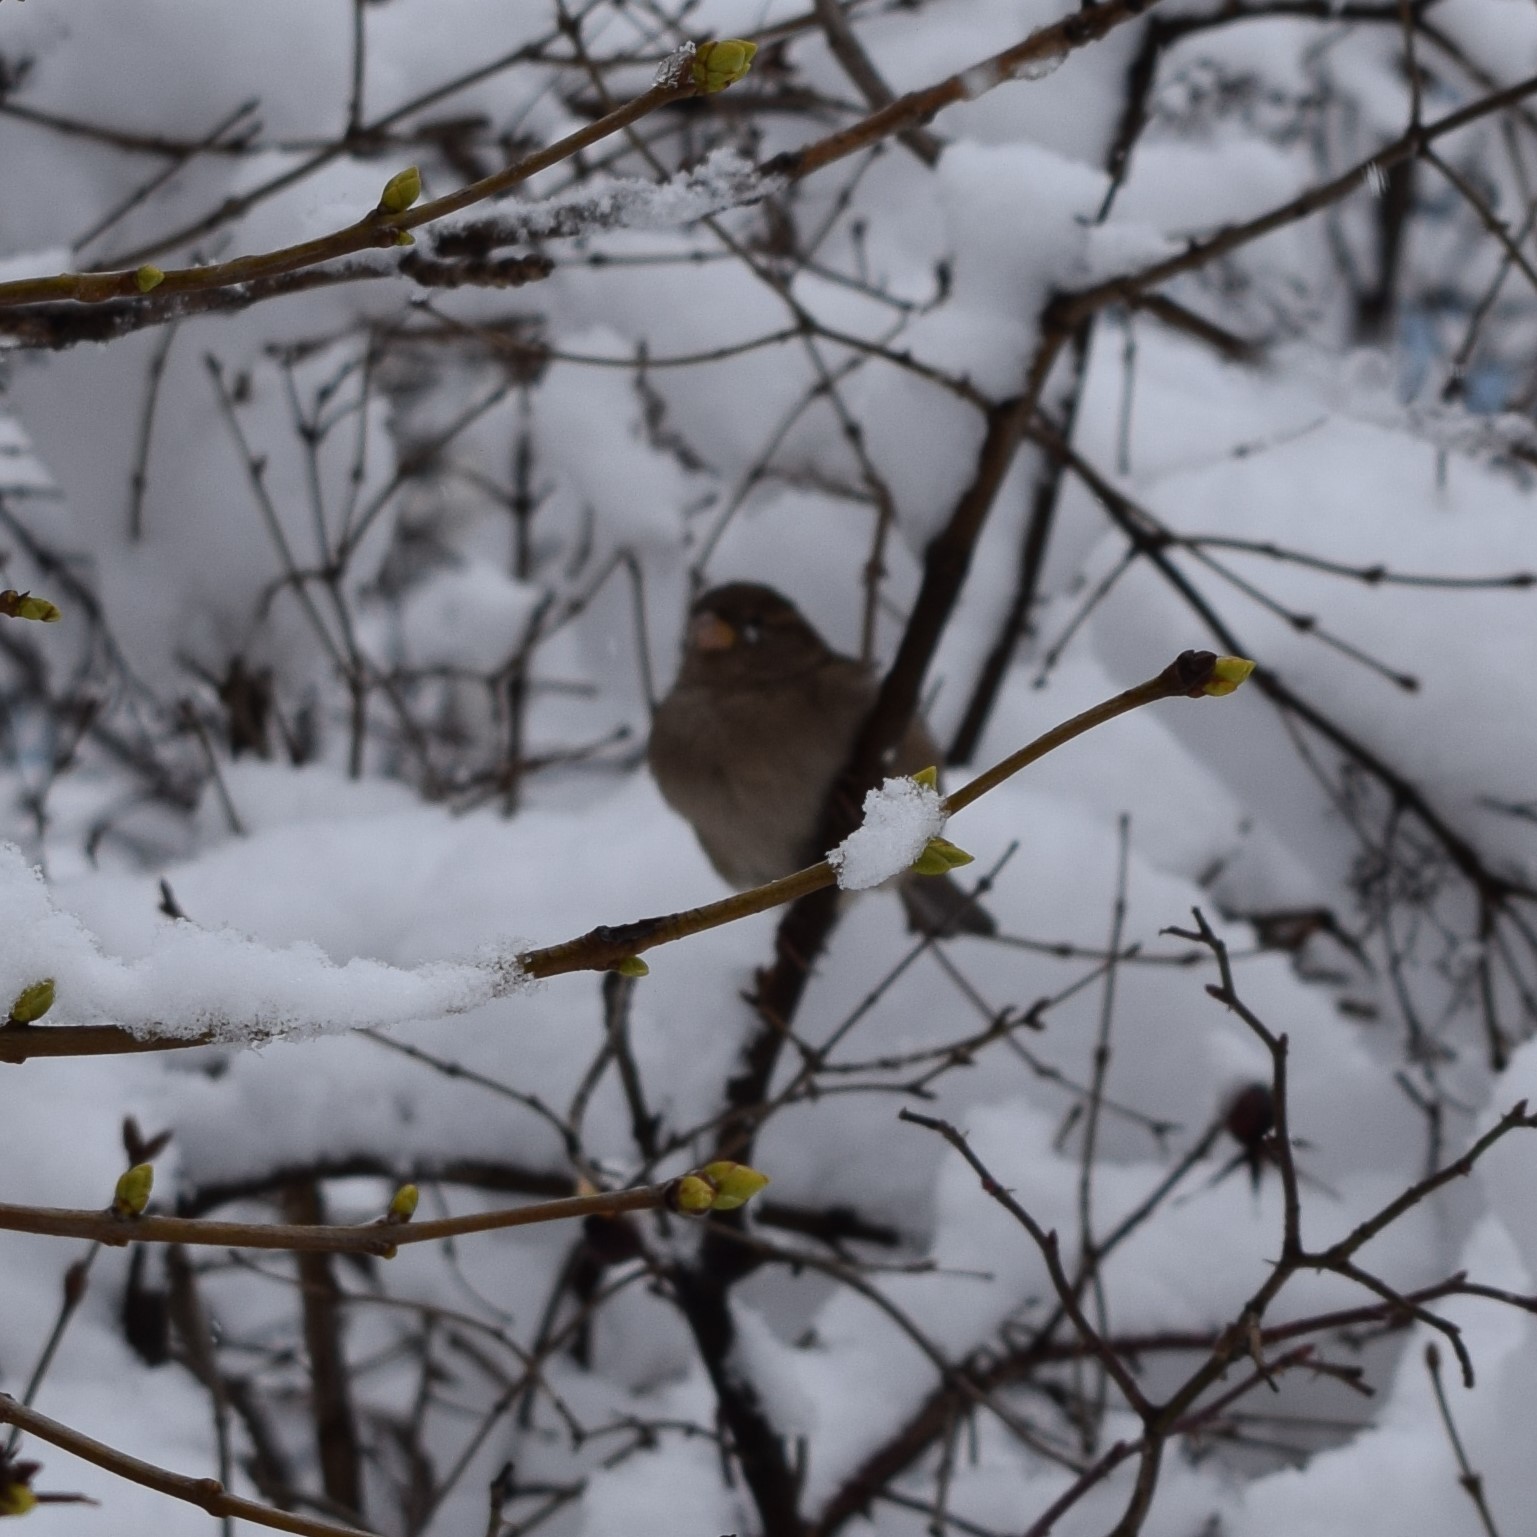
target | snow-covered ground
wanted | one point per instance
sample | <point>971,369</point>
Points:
<point>366,593</point>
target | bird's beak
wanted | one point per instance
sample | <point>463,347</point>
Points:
<point>709,632</point>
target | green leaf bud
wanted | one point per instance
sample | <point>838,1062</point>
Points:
<point>32,1002</point>
<point>133,1189</point>
<point>939,857</point>
<point>693,1195</point>
<point>16,1499</point>
<point>633,966</point>
<point>22,605</point>
<point>722,63</point>
<point>403,1204</point>
<point>401,191</point>
<point>735,1184</point>
<point>148,277</point>
<point>1226,674</point>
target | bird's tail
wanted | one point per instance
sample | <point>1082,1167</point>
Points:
<point>936,905</point>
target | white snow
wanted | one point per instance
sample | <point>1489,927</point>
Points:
<point>193,981</point>
<point>899,819</point>
<point>403,481</point>
<point>723,179</point>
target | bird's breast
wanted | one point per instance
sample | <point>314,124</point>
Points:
<point>750,771</point>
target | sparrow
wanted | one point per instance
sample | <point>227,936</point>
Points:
<point>757,727</point>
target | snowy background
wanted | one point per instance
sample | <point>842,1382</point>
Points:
<point>367,591</point>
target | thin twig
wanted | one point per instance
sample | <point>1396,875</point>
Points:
<point>206,1493</point>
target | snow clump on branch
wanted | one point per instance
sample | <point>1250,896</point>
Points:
<point>900,818</point>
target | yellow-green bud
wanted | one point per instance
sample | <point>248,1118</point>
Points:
<point>722,63</point>
<point>16,1499</point>
<point>403,1204</point>
<point>32,1002</point>
<point>928,778</point>
<point>148,277</point>
<point>693,1195</point>
<point>1226,674</point>
<point>132,1193</point>
<point>735,1184</point>
<point>22,605</point>
<point>404,237</point>
<point>633,966</point>
<point>401,190</point>
<point>939,857</point>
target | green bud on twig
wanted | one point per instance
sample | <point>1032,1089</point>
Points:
<point>1226,674</point>
<point>16,1498</point>
<point>22,605</point>
<point>735,1184</point>
<point>722,63</point>
<point>719,1186</point>
<point>403,1204</point>
<point>633,966</point>
<point>401,191</point>
<point>693,1195</point>
<point>132,1193</point>
<point>939,857</point>
<point>32,1002</point>
<point>148,277</point>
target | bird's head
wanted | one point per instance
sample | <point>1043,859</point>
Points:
<point>744,632</point>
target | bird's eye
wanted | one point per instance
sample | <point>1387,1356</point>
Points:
<point>751,632</point>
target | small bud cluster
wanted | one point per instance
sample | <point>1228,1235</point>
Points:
<point>22,605</point>
<point>940,857</point>
<point>721,63</point>
<point>719,1186</point>
<point>16,1496</point>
